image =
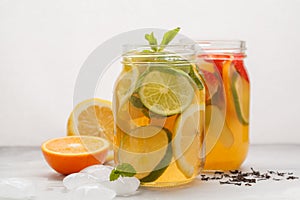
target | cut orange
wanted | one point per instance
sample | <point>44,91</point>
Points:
<point>92,117</point>
<point>71,154</point>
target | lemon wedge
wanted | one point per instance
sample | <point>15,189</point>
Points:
<point>186,143</point>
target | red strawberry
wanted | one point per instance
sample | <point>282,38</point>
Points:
<point>217,59</point>
<point>211,83</point>
<point>219,65</point>
<point>239,66</point>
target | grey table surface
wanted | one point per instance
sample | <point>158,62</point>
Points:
<point>28,163</point>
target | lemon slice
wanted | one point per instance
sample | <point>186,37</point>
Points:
<point>186,142</point>
<point>217,128</point>
<point>92,117</point>
<point>124,88</point>
<point>166,91</point>
<point>125,84</point>
<point>149,154</point>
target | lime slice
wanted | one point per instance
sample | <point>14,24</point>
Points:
<point>194,74</point>
<point>166,91</point>
<point>240,92</point>
<point>186,143</point>
<point>149,152</point>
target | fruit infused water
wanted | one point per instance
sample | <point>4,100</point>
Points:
<point>159,102</point>
<point>227,103</point>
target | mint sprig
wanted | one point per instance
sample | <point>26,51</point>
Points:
<point>167,38</point>
<point>124,170</point>
<point>152,41</point>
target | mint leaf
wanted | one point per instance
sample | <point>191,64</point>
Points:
<point>114,175</point>
<point>147,51</point>
<point>124,170</point>
<point>196,79</point>
<point>136,102</point>
<point>152,41</point>
<point>168,37</point>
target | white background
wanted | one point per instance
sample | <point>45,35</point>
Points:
<point>44,43</point>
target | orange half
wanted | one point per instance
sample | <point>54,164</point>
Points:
<point>71,154</point>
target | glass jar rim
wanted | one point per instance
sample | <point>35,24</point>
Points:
<point>174,53</point>
<point>180,46</point>
<point>224,46</point>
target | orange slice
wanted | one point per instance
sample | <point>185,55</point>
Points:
<point>71,154</point>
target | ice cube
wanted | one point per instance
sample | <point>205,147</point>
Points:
<point>123,186</point>
<point>92,192</point>
<point>101,172</point>
<point>16,188</point>
<point>98,175</point>
<point>75,180</point>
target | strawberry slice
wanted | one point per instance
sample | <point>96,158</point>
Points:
<point>211,83</point>
<point>239,66</point>
<point>217,60</point>
<point>219,65</point>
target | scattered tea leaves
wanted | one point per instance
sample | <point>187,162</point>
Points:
<point>219,172</point>
<point>292,178</point>
<point>239,178</point>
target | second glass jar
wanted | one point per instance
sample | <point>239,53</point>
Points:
<point>222,65</point>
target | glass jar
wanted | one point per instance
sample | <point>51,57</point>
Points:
<point>222,65</point>
<point>158,105</point>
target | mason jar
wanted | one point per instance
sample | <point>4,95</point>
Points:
<point>158,105</point>
<point>222,66</point>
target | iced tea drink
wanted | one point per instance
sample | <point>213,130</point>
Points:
<point>158,104</point>
<point>227,103</point>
